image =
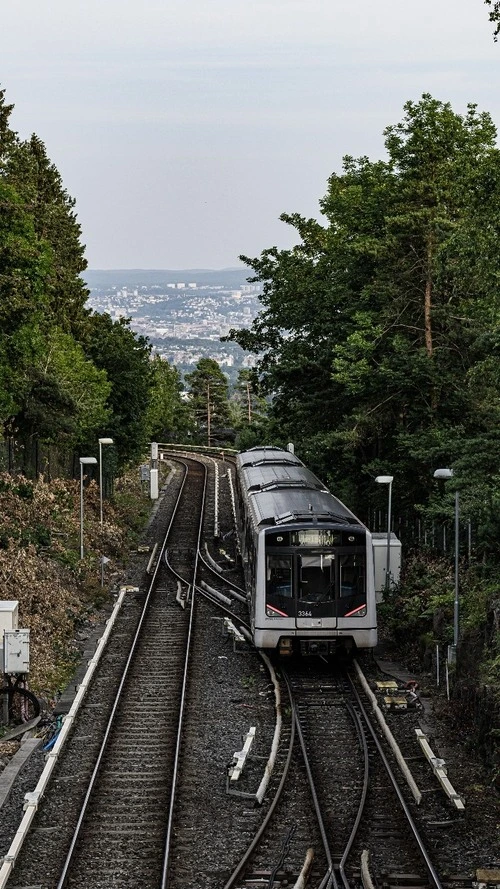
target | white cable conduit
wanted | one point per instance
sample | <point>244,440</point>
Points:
<point>277,732</point>
<point>259,796</point>
<point>366,878</point>
<point>216,497</point>
<point>300,883</point>
<point>233,506</point>
<point>417,795</point>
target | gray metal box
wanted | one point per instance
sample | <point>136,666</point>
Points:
<point>9,615</point>
<point>16,651</point>
<point>379,541</point>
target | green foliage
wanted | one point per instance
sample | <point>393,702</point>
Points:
<point>114,348</point>
<point>494,16</point>
<point>168,417</point>
<point>248,411</point>
<point>423,603</point>
<point>208,388</point>
<point>24,490</point>
<point>38,536</point>
<point>66,376</point>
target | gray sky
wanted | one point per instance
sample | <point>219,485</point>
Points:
<point>183,129</point>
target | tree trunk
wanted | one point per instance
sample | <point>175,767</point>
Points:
<point>427,316</point>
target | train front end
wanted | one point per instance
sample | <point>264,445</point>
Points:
<point>315,589</point>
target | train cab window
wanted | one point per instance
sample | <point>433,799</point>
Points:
<point>316,578</point>
<point>279,575</point>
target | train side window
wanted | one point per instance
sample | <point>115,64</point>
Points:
<point>352,575</point>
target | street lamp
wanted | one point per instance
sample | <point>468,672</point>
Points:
<point>102,441</point>
<point>84,461</point>
<point>387,480</point>
<point>447,474</point>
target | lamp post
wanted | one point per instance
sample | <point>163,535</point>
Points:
<point>84,461</point>
<point>102,441</point>
<point>387,480</point>
<point>447,474</point>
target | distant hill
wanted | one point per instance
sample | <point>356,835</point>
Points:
<point>105,278</point>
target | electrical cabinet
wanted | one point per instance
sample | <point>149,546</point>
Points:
<point>9,615</point>
<point>16,651</point>
<point>379,541</point>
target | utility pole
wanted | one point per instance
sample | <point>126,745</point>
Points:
<point>249,402</point>
<point>209,418</point>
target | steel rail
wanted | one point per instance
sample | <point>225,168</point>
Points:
<point>420,843</point>
<point>364,793</point>
<point>95,772</point>
<point>239,592</point>
<point>170,820</point>
<point>263,827</point>
<point>329,880</point>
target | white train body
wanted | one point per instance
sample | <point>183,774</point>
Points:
<point>308,560</point>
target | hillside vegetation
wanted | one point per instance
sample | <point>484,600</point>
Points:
<point>60,594</point>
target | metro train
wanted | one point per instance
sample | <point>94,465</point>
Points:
<point>307,559</point>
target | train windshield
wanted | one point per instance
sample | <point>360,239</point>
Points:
<point>316,578</point>
<point>316,582</point>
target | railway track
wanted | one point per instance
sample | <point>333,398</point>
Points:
<point>121,835</point>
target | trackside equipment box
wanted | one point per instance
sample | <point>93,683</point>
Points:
<point>379,540</point>
<point>16,651</point>
<point>9,620</point>
<point>9,616</point>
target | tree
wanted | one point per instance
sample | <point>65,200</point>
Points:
<point>168,416</point>
<point>124,356</point>
<point>248,411</point>
<point>40,286</point>
<point>25,262</point>
<point>494,16</point>
<point>56,224</point>
<point>8,137</point>
<point>209,399</point>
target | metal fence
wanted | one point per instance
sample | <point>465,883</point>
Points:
<point>34,459</point>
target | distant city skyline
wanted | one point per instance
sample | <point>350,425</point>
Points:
<point>183,320</point>
<point>184,130</point>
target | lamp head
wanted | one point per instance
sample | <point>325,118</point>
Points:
<point>106,441</point>
<point>384,479</point>
<point>87,461</point>
<point>443,473</point>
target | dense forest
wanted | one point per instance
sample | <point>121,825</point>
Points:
<point>67,375</point>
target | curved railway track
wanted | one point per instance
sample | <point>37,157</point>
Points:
<point>139,798</point>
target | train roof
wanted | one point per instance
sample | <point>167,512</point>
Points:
<point>298,505</point>
<point>262,455</point>
<point>279,489</point>
<point>268,476</point>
